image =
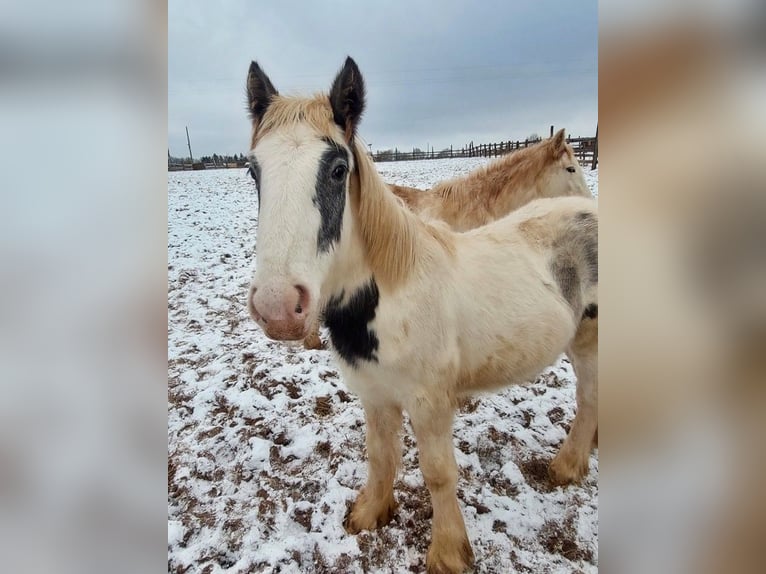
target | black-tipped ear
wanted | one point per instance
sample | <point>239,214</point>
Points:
<point>558,143</point>
<point>259,92</point>
<point>347,98</point>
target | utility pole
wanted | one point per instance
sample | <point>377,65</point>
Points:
<point>188,141</point>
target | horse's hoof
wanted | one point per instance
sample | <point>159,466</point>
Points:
<point>453,558</point>
<point>567,469</point>
<point>313,344</point>
<point>368,514</point>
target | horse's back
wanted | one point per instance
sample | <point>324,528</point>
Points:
<point>555,211</point>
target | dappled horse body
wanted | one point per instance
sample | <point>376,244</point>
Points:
<point>419,316</point>
<point>546,169</point>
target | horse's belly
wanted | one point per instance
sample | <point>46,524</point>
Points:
<point>515,356</point>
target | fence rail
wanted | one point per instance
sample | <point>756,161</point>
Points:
<point>187,166</point>
<point>585,149</point>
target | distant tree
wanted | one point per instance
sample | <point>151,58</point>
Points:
<point>385,155</point>
<point>534,137</point>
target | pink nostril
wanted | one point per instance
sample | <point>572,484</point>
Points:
<point>303,299</point>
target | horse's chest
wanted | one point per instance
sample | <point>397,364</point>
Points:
<point>348,319</point>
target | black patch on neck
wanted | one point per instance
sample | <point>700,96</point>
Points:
<point>330,196</point>
<point>591,311</point>
<point>348,323</point>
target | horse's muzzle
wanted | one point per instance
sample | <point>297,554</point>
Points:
<point>281,311</point>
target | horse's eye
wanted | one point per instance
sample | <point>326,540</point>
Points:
<point>339,172</point>
<point>571,169</point>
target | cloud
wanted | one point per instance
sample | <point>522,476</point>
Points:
<point>438,73</point>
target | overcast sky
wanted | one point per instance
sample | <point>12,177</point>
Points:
<point>438,72</point>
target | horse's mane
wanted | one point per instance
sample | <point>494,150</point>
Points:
<point>389,231</point>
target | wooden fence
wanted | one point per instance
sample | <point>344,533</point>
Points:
<point>187,166</point>
<point>585,149</point>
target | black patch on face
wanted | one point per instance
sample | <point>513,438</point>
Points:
<point>330,196</point>
<point>348,323</point>
<point>591,311</point>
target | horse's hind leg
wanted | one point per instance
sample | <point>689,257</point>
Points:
<point>375,504</point>
<point>571,463</point>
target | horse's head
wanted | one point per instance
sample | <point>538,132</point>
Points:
<point>302,157</point>
<point>562,173</point>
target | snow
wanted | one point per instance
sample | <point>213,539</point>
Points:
<point>266,445</point>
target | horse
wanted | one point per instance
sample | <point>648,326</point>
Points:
<point>546,169</point>
<point>420,316</point>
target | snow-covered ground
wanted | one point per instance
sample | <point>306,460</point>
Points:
<point>266,445</point>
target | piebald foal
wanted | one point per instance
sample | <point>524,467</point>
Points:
<point>545,169</point>
<point>419,316</point>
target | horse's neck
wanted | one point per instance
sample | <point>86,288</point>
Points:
<point>349,268</point>
<point>491,188</point>
<point>513,197</point>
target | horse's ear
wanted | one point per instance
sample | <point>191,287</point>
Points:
<point>558,143</point>
<point>260,90</point>
<point>347,98</point>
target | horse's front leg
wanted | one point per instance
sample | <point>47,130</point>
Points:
<point>375,504</point>
<point>313,341</point>
<point>450,551</point>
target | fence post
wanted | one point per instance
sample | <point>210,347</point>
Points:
<point>551,131</point>
<point>595,151</point>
